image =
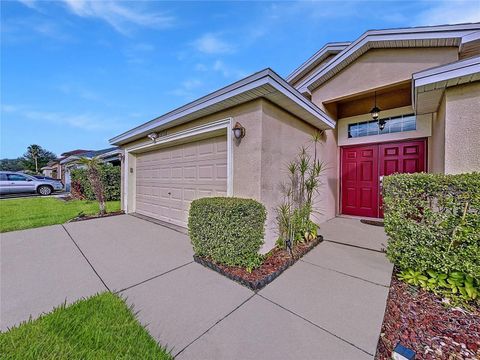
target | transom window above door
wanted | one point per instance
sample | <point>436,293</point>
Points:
<point>393,124</point>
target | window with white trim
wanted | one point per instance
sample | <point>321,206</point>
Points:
<point>393,124</point>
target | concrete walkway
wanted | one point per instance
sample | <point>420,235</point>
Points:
<point>329,305</point>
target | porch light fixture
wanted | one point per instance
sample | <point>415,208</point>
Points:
<point>238,131</point>
<point>375,112</point>
<point>153,136</point>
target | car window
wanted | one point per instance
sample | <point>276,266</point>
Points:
<point>17,177</point>
<point>3,177</point>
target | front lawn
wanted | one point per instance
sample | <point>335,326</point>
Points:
<point>18,214</point>
<point>101,327</point>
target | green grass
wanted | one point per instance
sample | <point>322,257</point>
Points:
<point>100,327</point>
<point>18,214</point>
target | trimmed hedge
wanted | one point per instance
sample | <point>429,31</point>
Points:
<point>111,179</point>
<point>433,222</point>
<point>228,230</point>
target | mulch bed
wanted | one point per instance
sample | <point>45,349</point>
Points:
<point>276,262</point>
<point>420,321</point>
<point>90,217</point>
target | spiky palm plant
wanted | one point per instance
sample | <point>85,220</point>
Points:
<point>93,173</point>
<point>293,215</point>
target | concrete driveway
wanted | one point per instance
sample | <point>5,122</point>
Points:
<point>329,305</point>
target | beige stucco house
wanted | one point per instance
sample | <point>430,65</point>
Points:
<point>424,81</point>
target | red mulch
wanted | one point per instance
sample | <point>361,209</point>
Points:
<point>275,260</point>
<point>420,321</point>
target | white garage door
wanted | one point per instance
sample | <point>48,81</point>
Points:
<point>167,180</point>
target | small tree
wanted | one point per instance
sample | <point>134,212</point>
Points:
<point>93,173</point>
<point>36,157</point>
<point>293,215</point>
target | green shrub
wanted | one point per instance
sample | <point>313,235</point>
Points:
<point>455,285</point>
<point>110,176</point>
<point>228,230</point>
<point>433,222</point>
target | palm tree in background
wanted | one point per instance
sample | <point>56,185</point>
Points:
<point>34,152</point>
<point>93,173</point>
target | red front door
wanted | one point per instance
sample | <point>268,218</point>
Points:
<point>362,167</point>
<point>360,181</point>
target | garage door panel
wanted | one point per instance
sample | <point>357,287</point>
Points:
<point>169,179</point>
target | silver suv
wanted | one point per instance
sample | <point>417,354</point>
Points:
<point>13,182</point>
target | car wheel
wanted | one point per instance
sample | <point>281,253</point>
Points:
<point>44,190</point>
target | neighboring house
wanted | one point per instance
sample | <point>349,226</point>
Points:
<point>52,169</point>
<point>69,161</point>
<point>425,82</point>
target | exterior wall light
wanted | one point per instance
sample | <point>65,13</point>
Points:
<point>381,124</point>
<point>153,136</point>
<point>375,112</point>
<point>238,131</point>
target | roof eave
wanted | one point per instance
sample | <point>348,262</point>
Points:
<point>264,77</point>
<point>381,36</point>
<point>319,56</point>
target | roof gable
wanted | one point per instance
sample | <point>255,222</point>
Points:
<point>263,84</point>
<point>434,36</point>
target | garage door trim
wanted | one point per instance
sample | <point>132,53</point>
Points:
<point>185,134</point>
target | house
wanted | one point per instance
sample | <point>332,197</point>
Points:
<point>53,168</point>
<point>68,162</point>
<point>396,100</point>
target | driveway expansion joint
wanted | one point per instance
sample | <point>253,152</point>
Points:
<point>153,277</point>
<point>216,323</point>
<point>316,325</point>
<point>354,246</point>
<point>343,273</point>
<point>85,257</point>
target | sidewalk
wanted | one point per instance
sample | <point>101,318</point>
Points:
<point>329,305</point>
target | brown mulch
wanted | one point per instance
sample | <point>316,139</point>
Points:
<point>274,261</point>
<point>420,321</point>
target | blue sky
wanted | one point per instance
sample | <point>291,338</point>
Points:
<point>75,73</point>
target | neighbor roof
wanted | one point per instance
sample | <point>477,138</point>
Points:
<point>263,84</point>
<point>427,36</point>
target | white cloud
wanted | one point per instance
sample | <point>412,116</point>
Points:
<point>116,13</point>
<point>228,71</point>
<point>187,88</point>
<point>449,12</point>
<point>29,3</point>
<point>89,122</point>
<point>201,67</point>
<point>212,44</point>
<point>139,53</point>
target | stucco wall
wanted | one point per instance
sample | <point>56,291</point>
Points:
<point>381,67</point>
<point>283,136</point>
<point>436,149</point>
<point>273,138</point>
<point>424,128</point>
<point>462,128</point>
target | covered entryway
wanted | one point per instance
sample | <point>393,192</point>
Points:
<point>363,166</point>
<point>168,179</point>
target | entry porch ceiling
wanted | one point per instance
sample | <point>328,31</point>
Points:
<point>388,97</point>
